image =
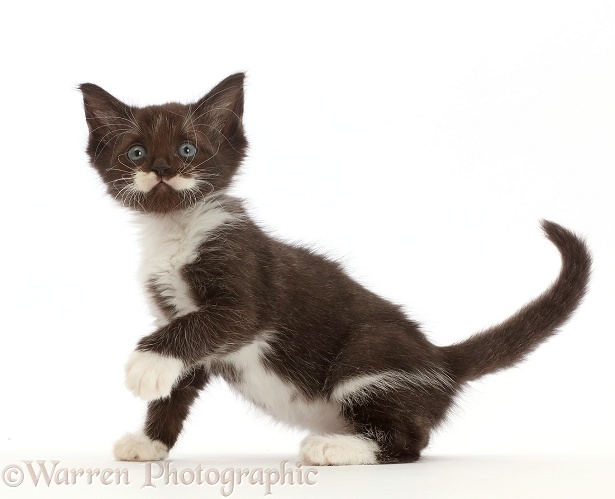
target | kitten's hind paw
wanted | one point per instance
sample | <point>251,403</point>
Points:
<point>150,375</point>
<point>338,450</point>
<point>138,447</point>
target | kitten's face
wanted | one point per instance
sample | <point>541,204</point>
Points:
<point>164,158</point>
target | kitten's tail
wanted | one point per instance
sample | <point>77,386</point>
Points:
<point>508,343</point>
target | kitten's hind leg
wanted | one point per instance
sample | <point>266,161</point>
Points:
<point>393,388</point>
<point>164,422</point>
<point>396,422</point>
<point>390,426</point>
<point>379,440</point>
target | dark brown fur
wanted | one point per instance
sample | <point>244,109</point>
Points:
<point>328,327</point>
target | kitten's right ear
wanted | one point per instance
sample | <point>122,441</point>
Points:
<point>103,112</point>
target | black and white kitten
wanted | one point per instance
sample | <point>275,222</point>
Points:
<point>285,327</point>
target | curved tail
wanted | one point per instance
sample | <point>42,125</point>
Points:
<point>508,343</point>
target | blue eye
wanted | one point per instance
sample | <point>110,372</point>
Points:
<point>187,150</point>
<point>135,153</point>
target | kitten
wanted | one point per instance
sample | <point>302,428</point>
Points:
<point>285,327</point>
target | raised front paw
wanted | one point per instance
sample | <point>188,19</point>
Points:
<point>150,375</point>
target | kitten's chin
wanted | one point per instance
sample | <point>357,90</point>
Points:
<point>163,198</point>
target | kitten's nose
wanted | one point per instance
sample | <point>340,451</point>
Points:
<point>161,167</point>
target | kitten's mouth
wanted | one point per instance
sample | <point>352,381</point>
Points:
<point>162,185</point>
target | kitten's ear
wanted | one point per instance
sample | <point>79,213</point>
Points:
<point>103,112</point>
<point>223,105</point>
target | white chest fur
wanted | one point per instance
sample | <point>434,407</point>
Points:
<point>169,243</point>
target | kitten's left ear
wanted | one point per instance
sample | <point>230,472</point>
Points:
<point>103,112</point>
<point>223,105</point>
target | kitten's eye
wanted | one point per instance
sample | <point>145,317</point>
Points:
<point>136,153</point>
<point>187,150</point>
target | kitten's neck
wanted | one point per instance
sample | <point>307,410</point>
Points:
<point>209,214</point>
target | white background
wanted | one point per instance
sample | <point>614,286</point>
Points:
<point>418,142</point>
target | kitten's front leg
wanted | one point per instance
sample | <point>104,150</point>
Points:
<point>160,358</point>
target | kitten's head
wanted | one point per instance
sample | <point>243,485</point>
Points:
<point>163,158</point>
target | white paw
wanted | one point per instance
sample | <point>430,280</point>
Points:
<point>138,447</point>
<point>150,375</point>
<point>338,450</point>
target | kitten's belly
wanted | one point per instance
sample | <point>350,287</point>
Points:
<point>282,402</point>
<point>276,396</point>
